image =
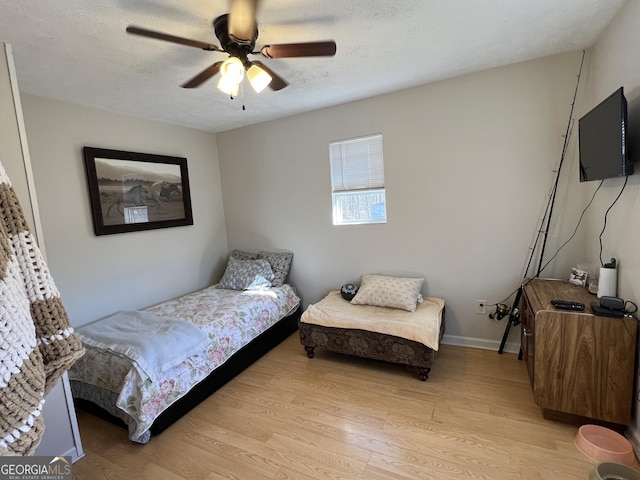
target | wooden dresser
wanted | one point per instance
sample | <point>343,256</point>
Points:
<point>581,366</point>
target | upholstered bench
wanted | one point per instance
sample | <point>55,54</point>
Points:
<point>382,333</point>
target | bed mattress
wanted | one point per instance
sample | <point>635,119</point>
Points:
<point>230,318</point>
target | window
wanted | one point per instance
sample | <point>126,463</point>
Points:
<point>357,181</point>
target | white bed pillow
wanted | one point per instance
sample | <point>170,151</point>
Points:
<point>387,291</point>
<point>246,275</point>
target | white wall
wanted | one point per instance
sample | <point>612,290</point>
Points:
<point>468,166</point>
<point>97,276</point>
<point>614,63</point>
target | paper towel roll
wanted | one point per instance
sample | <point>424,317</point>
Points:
<point>608,282</point>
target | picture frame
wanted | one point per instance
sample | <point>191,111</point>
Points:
<point>578,276</point>
<point>132,191</point>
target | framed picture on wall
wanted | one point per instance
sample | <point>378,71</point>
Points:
<point>132,191</point>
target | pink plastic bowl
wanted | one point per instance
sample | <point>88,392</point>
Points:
<point>604,445</point>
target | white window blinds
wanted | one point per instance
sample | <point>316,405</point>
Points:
<point>357,181</point>
<point>357,164</point>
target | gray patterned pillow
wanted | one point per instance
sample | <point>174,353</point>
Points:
<point>280,264</point>
<point>246,275</point>
<point>392,292</point>
<point>240,255</point>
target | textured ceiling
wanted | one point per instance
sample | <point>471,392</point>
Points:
<point>77,50</point>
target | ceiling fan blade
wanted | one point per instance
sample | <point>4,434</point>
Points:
<point>277,82</point>
<point>203,76</point>
<point>242,21</point>
<point>308,49</point>
<point>171,38</point>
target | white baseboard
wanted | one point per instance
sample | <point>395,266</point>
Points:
<point>509,347</point>
<point>74,454</point>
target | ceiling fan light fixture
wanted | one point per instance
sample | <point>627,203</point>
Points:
<point>258,78</point>
<point>228,87</point>
<point>232,70</point>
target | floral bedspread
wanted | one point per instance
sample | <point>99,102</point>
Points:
<point>230,318</point>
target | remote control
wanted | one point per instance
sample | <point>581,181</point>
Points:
<point>568,305</point>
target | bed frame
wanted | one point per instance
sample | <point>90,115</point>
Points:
<point>367,344</point>
<point>238,362</point>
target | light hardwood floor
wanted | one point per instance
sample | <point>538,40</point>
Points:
<point>339,417</point>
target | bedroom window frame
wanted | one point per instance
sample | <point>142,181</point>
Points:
<point>357,181</point>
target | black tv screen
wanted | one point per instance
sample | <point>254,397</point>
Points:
<point>603,140</point>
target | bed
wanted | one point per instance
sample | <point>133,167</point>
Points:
<point>390,321</point>
<point>240,325</point>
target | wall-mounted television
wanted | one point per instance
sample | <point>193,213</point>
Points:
<point>603,143</point>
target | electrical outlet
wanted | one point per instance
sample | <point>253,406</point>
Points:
<point>481,307</point>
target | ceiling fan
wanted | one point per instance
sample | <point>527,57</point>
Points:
<point>237,32</point>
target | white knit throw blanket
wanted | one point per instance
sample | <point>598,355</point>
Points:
<point>37,343</point>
